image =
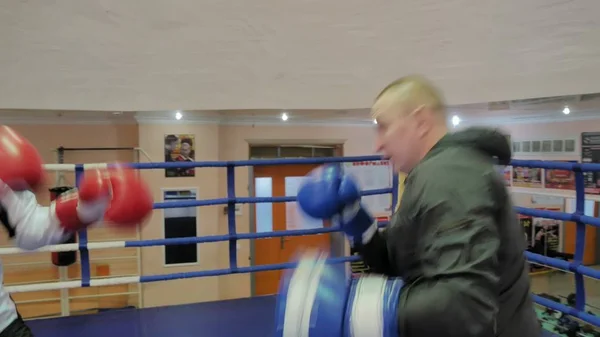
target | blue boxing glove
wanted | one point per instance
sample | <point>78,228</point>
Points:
<point>329,193</point>
<point>318,299</point>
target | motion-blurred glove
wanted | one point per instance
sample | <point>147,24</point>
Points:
<point>22,166</point>
<point>115,195</point>
<point>329,193</point>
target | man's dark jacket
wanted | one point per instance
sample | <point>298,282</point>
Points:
<point>457,243</point>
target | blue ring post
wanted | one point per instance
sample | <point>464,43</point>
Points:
<point>580,236</point>
<point>231,217</point>
<point>84,253</point>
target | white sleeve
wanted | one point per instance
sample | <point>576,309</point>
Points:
<point>35,226</point>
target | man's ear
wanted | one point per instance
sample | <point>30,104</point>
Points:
<point>424,120</point>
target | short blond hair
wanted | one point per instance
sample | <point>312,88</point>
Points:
<point>412,92</point>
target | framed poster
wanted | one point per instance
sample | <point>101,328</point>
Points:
<point>527,177</point>
<point>560,179</point>
<point>180,148</point>
<point>590,153</point>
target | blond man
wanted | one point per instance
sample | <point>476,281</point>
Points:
<point>455,241</point>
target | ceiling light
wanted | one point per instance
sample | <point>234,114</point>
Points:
<point>566,110</point>
<point>284,117</point>
<point>455,120</point>
<point>178,115</point>
<point>374,121</point>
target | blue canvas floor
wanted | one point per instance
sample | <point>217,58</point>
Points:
<point>251,317</point>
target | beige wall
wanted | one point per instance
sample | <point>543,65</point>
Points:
<point>212,142</point>
<point>207,183</point>
<point>571,129</point>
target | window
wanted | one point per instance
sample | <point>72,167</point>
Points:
<point>180,223</point>
<point>293,151</point>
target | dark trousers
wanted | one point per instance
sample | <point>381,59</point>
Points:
<point>16,329</point>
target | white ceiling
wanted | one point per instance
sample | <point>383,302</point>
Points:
<point>139,55</point>
<point>528,111</point>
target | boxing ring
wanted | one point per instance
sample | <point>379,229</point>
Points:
<point>255,317</point>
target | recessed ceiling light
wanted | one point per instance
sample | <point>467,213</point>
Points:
<point>566,110</point>
<point>178,115</point>
<point>455,120</point>
<point>284,116</point>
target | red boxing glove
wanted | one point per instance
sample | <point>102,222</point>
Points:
<point>21,164</point>
<point>116,195</point>
<point>132,200</point>
<point>80,208</point>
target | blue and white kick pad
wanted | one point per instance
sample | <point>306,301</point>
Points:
<point>319,300</point>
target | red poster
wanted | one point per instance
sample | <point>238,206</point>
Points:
<point>560,179</point>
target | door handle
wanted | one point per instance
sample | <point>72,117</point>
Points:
<point>282,241</point>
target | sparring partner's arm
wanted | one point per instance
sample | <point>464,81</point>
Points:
<point>33,226</point>
<point>456,295</point>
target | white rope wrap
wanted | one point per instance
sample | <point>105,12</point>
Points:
<point>72,284</point>
<point>68,247</point>
<point>71,167</point>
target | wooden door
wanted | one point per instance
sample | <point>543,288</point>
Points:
<point>279,181</point>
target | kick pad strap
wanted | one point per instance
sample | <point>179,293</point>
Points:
<point>372,308</point>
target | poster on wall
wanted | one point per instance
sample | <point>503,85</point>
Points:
<point>547,239</point>
<point>179,148</point>
<point>560,179</point>
<point>590,153</point>
<point>374,175</point>
<point>525,221</point>
<point>527,177</point>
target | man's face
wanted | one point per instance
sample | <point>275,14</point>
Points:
<point>185,149</point>
<point>398,138</point>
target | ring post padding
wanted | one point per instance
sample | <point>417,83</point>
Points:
<point>395,190</point>
<point>83,239</point>
<point>579,236</point>
<point>231,217</point>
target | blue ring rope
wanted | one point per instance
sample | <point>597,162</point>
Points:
<point>568,166</point>
<point>84,253</point>
<point>578,217</point>
<point>246,200</point>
